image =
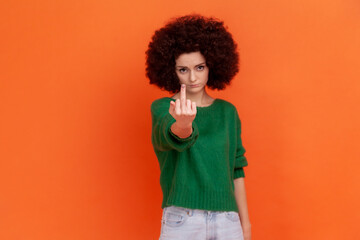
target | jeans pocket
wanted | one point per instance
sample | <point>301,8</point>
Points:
<point>232,216</point>
<point>173,218</point>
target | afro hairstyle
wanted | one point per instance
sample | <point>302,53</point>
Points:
<point>192,33</point>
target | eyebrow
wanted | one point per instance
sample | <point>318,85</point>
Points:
<point>186,66</point>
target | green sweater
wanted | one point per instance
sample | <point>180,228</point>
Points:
<point>198,172</point>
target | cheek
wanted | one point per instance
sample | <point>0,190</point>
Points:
<point>205,75</point>
<point>181,77</point>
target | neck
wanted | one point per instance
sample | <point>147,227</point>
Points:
<point>200,98</point>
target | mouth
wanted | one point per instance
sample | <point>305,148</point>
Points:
<point>194,85</point>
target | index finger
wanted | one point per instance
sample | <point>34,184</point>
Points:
<point>183,93</point>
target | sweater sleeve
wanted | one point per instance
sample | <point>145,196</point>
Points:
<point>240,159</point>
<point>163,139</point>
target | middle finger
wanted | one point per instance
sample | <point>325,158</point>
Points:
<point>183,97</point>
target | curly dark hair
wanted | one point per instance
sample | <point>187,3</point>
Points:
<point>192,33</point>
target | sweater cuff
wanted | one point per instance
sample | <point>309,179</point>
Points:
<point>180,144</point>
<point>239,172</point>
<point>194,132</point>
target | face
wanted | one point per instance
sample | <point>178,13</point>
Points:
<point>191,70</point>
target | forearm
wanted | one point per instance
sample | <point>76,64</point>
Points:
<point>181,131</point>
<point>240,195</point>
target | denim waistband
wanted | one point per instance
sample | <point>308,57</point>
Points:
<point>192,212</point>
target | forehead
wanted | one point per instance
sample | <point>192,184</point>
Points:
<point>190,59</point>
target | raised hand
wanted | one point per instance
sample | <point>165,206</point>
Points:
<point>184,112</point>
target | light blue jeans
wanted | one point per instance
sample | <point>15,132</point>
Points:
<point>184,223</point>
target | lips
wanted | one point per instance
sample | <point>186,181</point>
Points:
<point>194,85</point>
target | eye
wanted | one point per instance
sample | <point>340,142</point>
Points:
<point>200,68</point>
<point>182,70</point>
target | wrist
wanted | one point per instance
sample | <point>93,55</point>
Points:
<point>181,130</point>
<point>183,126</point>
<point>246,225</point>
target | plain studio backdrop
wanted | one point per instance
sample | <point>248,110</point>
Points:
<point>76,160</point>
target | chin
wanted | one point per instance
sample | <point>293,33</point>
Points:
<point>195,90</point>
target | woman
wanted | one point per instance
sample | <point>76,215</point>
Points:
<point>196,138</point>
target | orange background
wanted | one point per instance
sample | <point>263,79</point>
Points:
<point>76,160</point>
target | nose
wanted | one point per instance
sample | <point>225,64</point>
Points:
<point>192,76</point>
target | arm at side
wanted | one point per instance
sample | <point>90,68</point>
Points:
<point>240,195</point>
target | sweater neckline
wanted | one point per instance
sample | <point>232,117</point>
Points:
<point>204,107</point>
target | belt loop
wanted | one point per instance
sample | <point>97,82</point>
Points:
<point>207,213</point>
<point>189,212</point>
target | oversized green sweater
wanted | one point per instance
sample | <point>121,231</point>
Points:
<point>198,172</point>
